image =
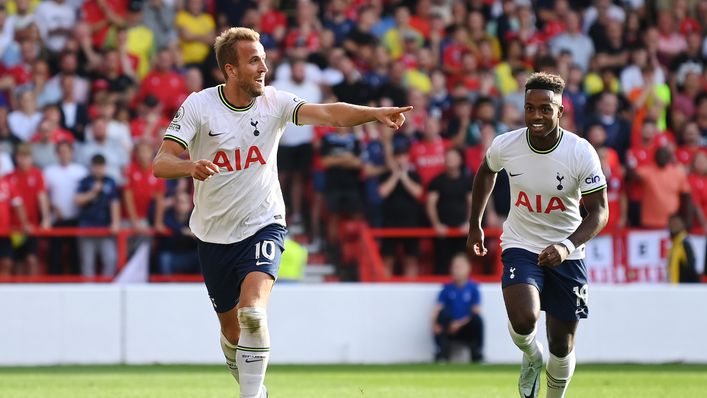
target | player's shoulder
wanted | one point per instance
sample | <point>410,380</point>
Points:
<point>510,137</point>
<point>576,143</point>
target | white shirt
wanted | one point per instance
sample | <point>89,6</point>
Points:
<point>245,196</point>
<point>51,15</point>
<point>23,126</point>
<point>546,187</point>
<point>62,183</point>
<point>308,91</point>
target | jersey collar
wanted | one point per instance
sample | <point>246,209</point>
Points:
<point>527,138</point>
<point>230,105</point>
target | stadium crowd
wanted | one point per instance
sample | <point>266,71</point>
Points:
<point>88,87</point>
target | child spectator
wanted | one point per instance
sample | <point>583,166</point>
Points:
<point>99,206</point>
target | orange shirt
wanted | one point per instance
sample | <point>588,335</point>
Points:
<point>661,193</point>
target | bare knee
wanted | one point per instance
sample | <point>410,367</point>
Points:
<point>523,323</point>
<point>561,347</point>
<point>232,333</point>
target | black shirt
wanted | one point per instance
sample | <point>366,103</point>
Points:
<point>341,178</point>
<point>400,208</point>
<point>452,206</point>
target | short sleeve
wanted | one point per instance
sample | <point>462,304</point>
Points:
<point>289,105</point>
<point>442,295</point>
<point>475,296</point>
<point>493,156</point>
<point>435,184</point>
<point>185,123</point>
<point>591,178</point>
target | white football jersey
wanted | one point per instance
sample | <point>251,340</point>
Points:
<point>546,188</point>
<point>245,196</point>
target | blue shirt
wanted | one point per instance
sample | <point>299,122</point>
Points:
<point>457,301</point>
<point>373,154</point>
<point>97,212</point>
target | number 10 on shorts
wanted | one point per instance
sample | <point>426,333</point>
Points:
<point>265,249</point>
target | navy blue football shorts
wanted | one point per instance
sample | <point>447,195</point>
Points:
<point>225,266</point>
<point>563,289</point>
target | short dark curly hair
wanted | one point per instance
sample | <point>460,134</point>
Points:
<point>545,81</point>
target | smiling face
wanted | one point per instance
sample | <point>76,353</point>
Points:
<point>250,68</point>
<point>543,110</point>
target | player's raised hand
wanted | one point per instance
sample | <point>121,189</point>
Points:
<point>553,255</point>
<point>475,242</point>
<point>203,169</point>
<point>393,116</point>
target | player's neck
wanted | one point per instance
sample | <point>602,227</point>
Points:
<point>546,142</point>
<point>235,96</point>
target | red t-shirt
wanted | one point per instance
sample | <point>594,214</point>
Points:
<point>144,186</point>
<point>271,20</point>
<point>615,185</point>
<point>28,184</point>
<point>428,158</point>
<point>684,155</point>
<point>8,196</point>
<point>452,56</point>
<point>93,14</point>
<point>137,128</point>
<point>20,73</point>
<point>637,157</point>
<point>167,87</point>
<point>698,187</point>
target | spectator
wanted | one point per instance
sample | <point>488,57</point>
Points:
<point>650,100</point>
<point>29,183</point>
<point>177,251</point>
<point>164,83</point>
<point>670,42</point>
<point>69,65</point>
<point>374,165</point>
<point>74,116</point>
<point>665,190</point>
<point>457,314</point>
<point>401,192</point>
<point>615,191</point>
<point>698,188</point>
<point>159,16</point>
<point>10,201</point>
<point>618,129</point>
<point>62,182</point>
<point>43,145</point>
<point>295,152</point>
<point>149,123</point>
<point>341,153</point>
<point>448,204</point>
<point>196,30</point>
<point>137,39</point>
<point>690,144</point>
<point>116,159</point>
<point>23,122</point>
<point>427,154</point>
<point>631,75</point>
<point>45,93</point>
<point>55,20</point>
<point>102,16</point>
<point>99,207</point>
<point>681,257</point>
<point>573,40</point>
<point>143,194</point>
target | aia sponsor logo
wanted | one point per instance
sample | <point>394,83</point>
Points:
<point>238,160</point>
<point>540,205</point>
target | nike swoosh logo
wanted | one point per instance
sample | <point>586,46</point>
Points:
<point>515,175</point>
<point>532,390</point>
<point>251,360</point>
<point>262,263</point>
<point>211,134</point>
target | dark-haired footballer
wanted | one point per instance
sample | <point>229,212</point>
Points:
<point>550,171</point>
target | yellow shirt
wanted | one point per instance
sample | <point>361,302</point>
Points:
<point>141,44</point>
<point>11,6</point>
<point>195,51</point>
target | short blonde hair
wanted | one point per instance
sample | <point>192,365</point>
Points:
<point>225,46</point>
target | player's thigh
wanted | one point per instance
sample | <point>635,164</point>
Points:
<point>522,282</point>
<point>566,292</point>
<point>560,335</point>
<point>255,290</point>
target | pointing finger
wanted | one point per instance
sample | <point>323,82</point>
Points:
<point>404,109</point>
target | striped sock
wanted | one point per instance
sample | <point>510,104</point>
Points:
<point>559,371</point>
<point>229,351</point>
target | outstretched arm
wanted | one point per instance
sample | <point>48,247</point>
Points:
<point>597,207</point>
<point>343,114</point>
<point>484,181</point>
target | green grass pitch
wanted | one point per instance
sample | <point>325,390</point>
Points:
<point>345,381</point>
